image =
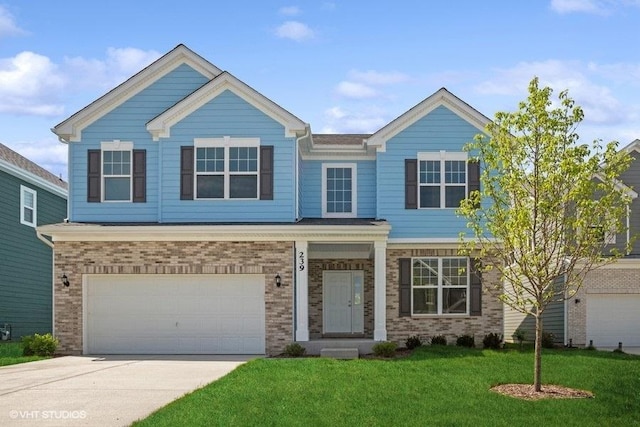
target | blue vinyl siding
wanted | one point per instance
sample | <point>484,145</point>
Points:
<point>26,293</point>
<point>128,122</point>
<point>228,115</point>
<point>439,130</point>
<point>311,188</point>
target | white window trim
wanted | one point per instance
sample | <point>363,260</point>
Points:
<point>226,142</point>
<point>440,288</point>
<point>354,190</point>
<point>24,190</point>
<point>442,156</point>
<point>116,145</point>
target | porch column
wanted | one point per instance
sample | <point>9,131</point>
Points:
<point>302,291</point>
<point>380,292</point>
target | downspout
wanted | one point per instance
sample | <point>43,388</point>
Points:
<point>297,217</point>
<point>53,280</point>
<point>295,164</point>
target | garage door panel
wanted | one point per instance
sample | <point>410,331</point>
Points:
<point>613,318</point>
<point>186,314</point>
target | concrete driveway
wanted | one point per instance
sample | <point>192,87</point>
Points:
<point>101,390</point>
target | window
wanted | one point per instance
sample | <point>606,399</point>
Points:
<point>442,179</point>
<point>440,285</point>
<point>116,171</point>
<point>227,168</point>
<point>339,194</point>
<point>28,206</point>
<point>603,236</point>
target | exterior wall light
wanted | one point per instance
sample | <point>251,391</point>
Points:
<point>65,280</point>
<point>278,280</point>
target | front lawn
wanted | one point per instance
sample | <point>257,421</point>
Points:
<point>11,354</point>
<point>434,386</point>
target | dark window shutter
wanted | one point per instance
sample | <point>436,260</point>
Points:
<point>405,286</point>
<point>93,175</point>
<point>186,173</point>
<point>139,176</point>
<point>266,172</point>
<point>473,174</point>
<point>411,184</point>
<point>476,288</point>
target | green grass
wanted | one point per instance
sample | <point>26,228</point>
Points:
<point>11,354</point>
<point>441,386</point>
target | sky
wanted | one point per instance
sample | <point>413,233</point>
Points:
<point>342,66</point>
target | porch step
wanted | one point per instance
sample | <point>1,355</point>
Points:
<point>340,353</point>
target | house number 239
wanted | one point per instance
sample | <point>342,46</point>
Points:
<point>301,260</point>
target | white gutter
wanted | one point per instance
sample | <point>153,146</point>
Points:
<point>41,237</point>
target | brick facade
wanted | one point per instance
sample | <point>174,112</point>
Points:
<point>399,328</point>
<point>606,280</point>
<point>76,259</point>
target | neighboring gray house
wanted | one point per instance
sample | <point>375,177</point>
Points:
<point>29,196</point>
<point>606,310</point>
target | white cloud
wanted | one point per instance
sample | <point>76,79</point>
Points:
<point>373,77</point>
<point>294,30</point>
<point>599,103</point>
<point>290,11</point>
<point>611,111</point>
<point>365,120</point>
<point>30,84</point>
<point>570,6</point>
<point>8,26</point>
<point>597,7</point>
<point>119,64</point>
<point>355,90</point>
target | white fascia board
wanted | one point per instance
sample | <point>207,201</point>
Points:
<point>621,186</point>
<point>441,98</point>
<point>32,179</point>
<point>633,146</point>
<point>336,152</point>
<point>70,130</point>
<point>160,126</point>
<point>281,233</point>
<point>430,242</point>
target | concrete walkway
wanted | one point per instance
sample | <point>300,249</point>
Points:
<point>101,391</point>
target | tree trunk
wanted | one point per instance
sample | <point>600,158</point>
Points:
<point>537,363</point>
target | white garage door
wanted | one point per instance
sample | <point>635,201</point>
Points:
<point>174,314</point>
<point>613,318</point>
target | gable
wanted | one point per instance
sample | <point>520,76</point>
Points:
<point>70,130</point>
<point>441,98</point>
<point>160,126</point>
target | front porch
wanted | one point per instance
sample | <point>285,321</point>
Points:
<point>340,288</point>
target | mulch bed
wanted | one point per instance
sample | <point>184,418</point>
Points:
<point>527,392</point>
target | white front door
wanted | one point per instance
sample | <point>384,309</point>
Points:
<point>343,302</point>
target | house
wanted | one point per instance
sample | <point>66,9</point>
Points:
<point>606,309</point>
<point>205,218</point>
<point>31,196</point>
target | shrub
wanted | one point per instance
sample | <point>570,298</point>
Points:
<point>492,340</point>
<point>547,340</point>
<point>385,349</point>
<point>413,342</point>
<point>439,340</point>
<point>466,340</point>
<point>294,350</point>
<point>39,345</point>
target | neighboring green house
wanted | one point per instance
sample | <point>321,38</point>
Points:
<point>29,196</point>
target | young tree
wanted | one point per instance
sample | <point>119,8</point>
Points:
<point>545,205</point>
